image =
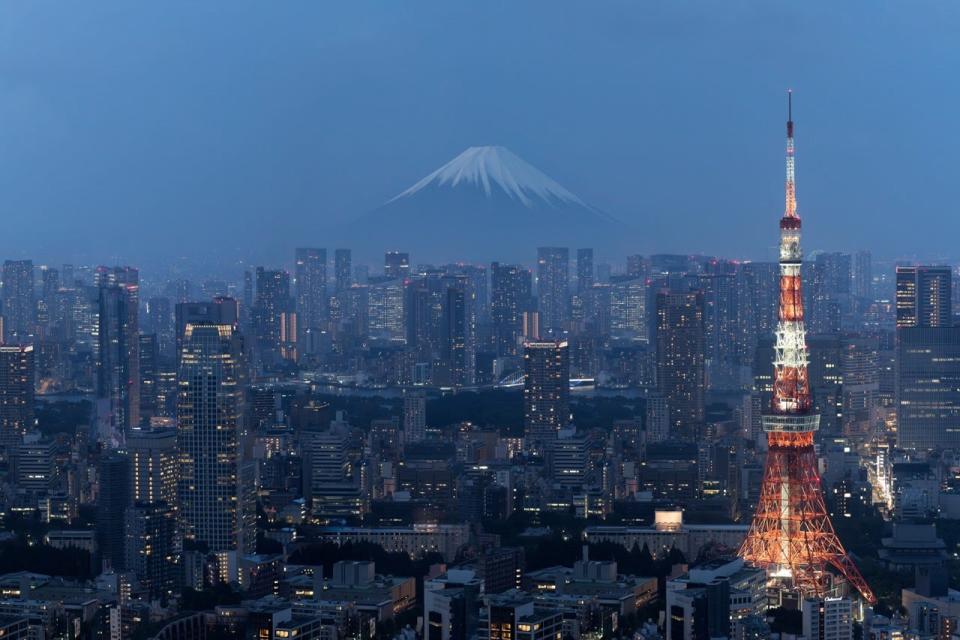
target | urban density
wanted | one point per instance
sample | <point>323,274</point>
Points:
<point>680,447</point>
<point>509,423</point>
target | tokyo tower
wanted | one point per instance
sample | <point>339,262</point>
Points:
<point>791,536</point>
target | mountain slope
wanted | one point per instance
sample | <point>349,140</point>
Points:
<point>485,204</point>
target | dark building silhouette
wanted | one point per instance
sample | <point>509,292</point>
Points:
<point>546,390</point>
<point>553,287</point>
<point>680,359</point>
<point>115,486</point>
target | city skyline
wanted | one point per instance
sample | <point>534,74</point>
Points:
<point>503,403</point>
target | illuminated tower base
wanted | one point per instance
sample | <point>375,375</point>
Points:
<point>792,537</point>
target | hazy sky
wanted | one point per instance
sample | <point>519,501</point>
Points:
<point>145,130</point>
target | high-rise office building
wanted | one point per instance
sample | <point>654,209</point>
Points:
<point>455,359</point>
<point>585,273</point>
<point>553,287</point>
<point>153,459</point>
<point>342,270</point>
<point>570,461</point>
<point>828,618</point>
<point>246,310</point>
<point>334,490</point>
<point>16,393</point>
<point>114,497</point>
<point>827,294</point>
<point>758,284</point>
<point>385,302</point>
<point>636,266</point>
<point>18,303</point>
<point>628,307</point>
<point>220,310</point>
<point>414,416</point>
<point>270,309</point>
<point>511,297</point>
<point>860,386</point>
<point>153,548</point>
<point>46,307</point>
<point>149,355</point>
<point>928,387</point>
<point>421,304</point>
<point>924,297</point>
<point>118,362</point>
<point>546,390</point>
<point>680,358</point>
<point>862,275</point>
<point>310,281</point>
<point>159,320</point>
<point>396,264</point>
<point>209,410</point>
<point>36,467</point>
<point>721,319</point>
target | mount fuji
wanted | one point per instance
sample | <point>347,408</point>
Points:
<point>485,204</point>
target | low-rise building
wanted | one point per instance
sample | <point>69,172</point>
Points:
<point>712,598</point>
<point>514,615</point>
<point>416,540</point>
<point>356,585</point>
<point>594,580</point>
<point>450,605</point>
<point>669,532</point>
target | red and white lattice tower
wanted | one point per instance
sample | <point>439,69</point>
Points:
<point>792,537</point>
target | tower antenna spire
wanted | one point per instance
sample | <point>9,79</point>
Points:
<point>789,113</point>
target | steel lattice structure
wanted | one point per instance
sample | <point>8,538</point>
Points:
<point>791,536</point>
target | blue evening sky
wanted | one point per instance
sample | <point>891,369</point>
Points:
<point>150,130</point>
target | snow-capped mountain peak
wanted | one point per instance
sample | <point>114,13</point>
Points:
<point>489,167</point>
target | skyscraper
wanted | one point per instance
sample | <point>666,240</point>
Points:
<point>18,305</point>
<point>396,264</point>
<point>153,459</point>
<point>310,279</point>
<point>636,266</point>
<point>149,355</point>
<point>546,390</point>
<point>334,491</point>
<point>118,363</point>
<point>827,295</point>
<point>680,359</point>
<point>585,273</point>
<point>455,330</point>
<point>159,320</point>
<point>16,393</point>
<point>721,325</point>
<point>114,497</point>
<point>758,284</point>
<point>342,270</point>
<point>928,387</point>
<point>414,416</point>
<point>220,310</point>
<point>153,548</point>
<point>270,309</point>
<point>511,288</point>
<point>862,275</point>
<point>628,307</point>
<point>385,307</point>
<point>208,438</point>
<point>46,308</point>
<point>553,287</point>
<point>924,297</point>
